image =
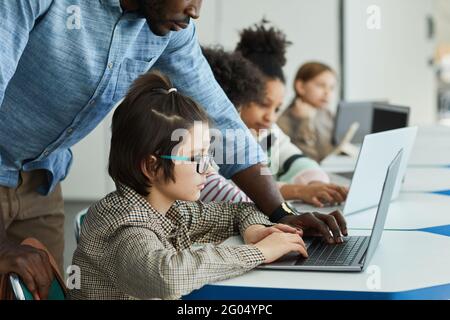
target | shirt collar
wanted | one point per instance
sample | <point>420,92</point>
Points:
<point>168,221</point>
<point>112,3</point>
<point>129,15</point>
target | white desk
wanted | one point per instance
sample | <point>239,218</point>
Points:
<point>412,260</point>
<point>426,180</point>
<point>339,164</point>
<point>406,265</point>
<point>425,151</point>
<point>408,212</point>
<point>431,149</point>
<point>411,211</point>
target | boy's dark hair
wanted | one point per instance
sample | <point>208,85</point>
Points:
<point>240,79</point>
<point>266,48</point>
<point>142,126</point>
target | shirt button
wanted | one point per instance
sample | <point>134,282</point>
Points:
<point>70,130</point>
<point>92,102</point>
<point>110,65</point>
<point>46,153</point>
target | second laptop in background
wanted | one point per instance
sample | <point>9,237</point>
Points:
<point>371,117</point>
<point>366,181</point>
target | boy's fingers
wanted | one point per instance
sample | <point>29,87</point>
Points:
<point>273,230</point>
<point>301,250</point>
<point>285,228</point>
<point>296,239</point>
<point>267,232</point>
<point>302,243</point>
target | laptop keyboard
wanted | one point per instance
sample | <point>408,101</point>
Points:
<point>347,175</point>
<point>323,254</point>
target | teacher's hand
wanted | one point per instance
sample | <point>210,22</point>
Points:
<point>30,264</point>
<point>330,226</point>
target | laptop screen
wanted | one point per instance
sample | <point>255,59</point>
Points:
<point>383,206</point>
<point>387,118</point>
<point>349,113</point>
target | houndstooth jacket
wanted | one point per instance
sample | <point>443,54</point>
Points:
<point>128,250</point>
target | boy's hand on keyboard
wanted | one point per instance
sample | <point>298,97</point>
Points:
<point>279,244</point>
<point>330,226</point>
<point>256,233</point>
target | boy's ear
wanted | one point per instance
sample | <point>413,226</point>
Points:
<point>300,87</point>
<point>148,167</point>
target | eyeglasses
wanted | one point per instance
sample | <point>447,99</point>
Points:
<point>203,162</point>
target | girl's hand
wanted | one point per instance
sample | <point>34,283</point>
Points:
<point>317,194</point>
<point>256,233</point>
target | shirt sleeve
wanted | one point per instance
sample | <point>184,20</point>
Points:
<point>219,189</point>
<point>295,167</point>
<point>217,221</point>
<point>184,63</point>
<point>17,19</point>
<point>140,266</point>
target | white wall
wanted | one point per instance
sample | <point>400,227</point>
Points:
<point>312,26</point>
<point>442,9</point>
<point>88,179</point>
<point>393,62</point>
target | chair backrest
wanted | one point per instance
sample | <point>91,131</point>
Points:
<point>57,288</point>
<point>21,291</point>
<point>79,222</point>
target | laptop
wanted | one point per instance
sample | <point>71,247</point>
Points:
<point>389,117</point>
<point>366,182</point>
<point>356,252</point>
<point>371,117</point>
<point>349,113</point>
